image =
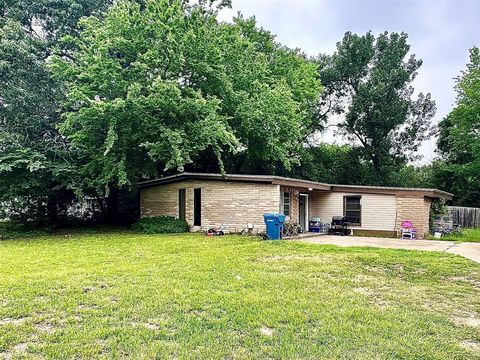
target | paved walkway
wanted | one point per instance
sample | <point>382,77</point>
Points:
<point>468,250</point>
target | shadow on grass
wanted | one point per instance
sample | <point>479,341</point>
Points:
<point>9,230</point>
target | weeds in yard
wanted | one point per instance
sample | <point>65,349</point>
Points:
<point>465,235</point>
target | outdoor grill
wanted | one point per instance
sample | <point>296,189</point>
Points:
<point>339,225</point>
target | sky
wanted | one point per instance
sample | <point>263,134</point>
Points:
<point>440,33</point>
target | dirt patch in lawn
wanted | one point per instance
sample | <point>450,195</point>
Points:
<point>471,321</point>
<point>45,327</point>
<point>87,307</point>
<point>365,278</point>
<point>265,330</point>
<point>376,269</point>
<point>316,258</point>
<point>11,321</point>
<point>471,345</point>
<point>464,279</point>
<point>18,349</point>
<point>364,291</point>
<point>146,325</point>
<point>101,286</point>
<point>373,297</point>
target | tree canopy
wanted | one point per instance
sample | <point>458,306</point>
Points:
<point>49,20</point>
<point>152,87</point>
<point>459,138</point>
<point>35,161</point>
<point>368,85</point>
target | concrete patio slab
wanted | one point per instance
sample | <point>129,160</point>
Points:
<point>468,250</point>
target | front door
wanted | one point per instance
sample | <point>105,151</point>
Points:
<point>303,211</point>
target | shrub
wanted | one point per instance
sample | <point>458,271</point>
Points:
<point>160,225</point>
<point>12,230</point>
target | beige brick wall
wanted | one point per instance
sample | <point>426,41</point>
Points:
<point>416,209</point>
<point>247,202</point>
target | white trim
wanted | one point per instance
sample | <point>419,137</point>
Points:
<point>305,225</point>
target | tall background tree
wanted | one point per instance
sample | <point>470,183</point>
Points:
<point>368,89</point>
<point>459,139</point>
<point>34,158</point>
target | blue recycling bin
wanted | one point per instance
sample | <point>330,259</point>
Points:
<point>274,223</point>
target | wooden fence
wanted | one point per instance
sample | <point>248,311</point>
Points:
<point>467,217</point>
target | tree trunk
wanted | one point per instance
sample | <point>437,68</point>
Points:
<point>376,163</point>
<point>52,211</point>
<point>377,169</point>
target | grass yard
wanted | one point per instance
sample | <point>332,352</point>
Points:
<point>123,295</point>
<point>466,235</point>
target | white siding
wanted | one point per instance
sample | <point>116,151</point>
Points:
<point>379,212</point>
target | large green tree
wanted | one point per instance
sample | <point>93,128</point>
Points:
<point>35,162</point>
<point>368,92</point>
<point>28,119</point>
<point>152,88</point>
<point>459,138</point>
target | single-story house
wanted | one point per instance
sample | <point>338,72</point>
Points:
<point>206,200</point>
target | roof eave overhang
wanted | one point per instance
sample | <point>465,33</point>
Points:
<point>200,176</point>
<point>430,193</point>
<point>439,194</point>
<point>302,184</point>
<point>264,179</point>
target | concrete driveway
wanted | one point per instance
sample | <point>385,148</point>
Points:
<point>468,250</point>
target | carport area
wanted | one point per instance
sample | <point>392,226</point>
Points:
<point>468,250</point>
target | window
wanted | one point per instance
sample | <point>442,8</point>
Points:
<point>181,204</point>
<point>197,207</point>
<point>352,209</point>
<point>285,204</point>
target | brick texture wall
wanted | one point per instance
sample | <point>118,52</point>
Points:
<point>416,209</point>
<point>294,195</point>
<point>247,202</point>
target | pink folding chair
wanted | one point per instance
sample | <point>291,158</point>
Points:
<point>408,231</point>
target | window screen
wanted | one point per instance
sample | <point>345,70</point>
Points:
<point>181,204</point>
<point>353,209</point>
<point>197,207</point>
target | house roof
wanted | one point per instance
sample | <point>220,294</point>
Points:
<point>268,179</point>
<point>433,193</point>
<point>300,183</point>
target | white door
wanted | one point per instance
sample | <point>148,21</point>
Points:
<point>303,211</point>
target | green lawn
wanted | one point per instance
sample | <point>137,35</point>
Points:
<point>123,295</point>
